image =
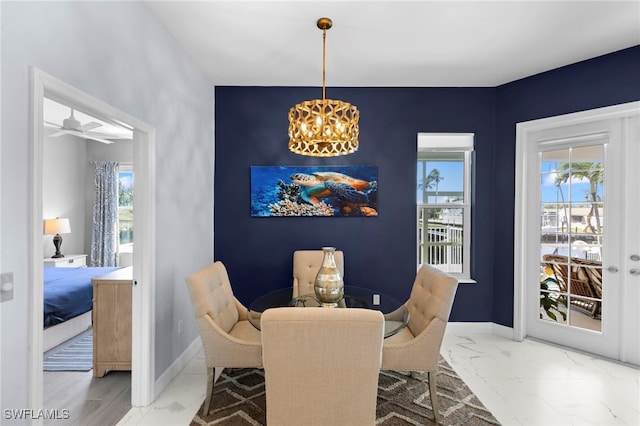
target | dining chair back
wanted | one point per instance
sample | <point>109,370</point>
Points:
<point>416,348</point>
<point>229,340</point>
<point>306,265</point>
<point>321,365</point>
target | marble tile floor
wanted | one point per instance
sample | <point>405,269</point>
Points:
<point>521,383</point>
<point>533,383</point>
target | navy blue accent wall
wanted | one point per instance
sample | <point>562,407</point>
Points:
<point>251,130</point>
<point>603,81</point>
<point>380,252</point>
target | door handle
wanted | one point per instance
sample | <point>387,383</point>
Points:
<point>634,271</point>
<point>612,269</point>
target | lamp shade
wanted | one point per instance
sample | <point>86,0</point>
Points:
<point>323,128</point>
<point>57,226</point>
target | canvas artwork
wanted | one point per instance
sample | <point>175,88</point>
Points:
<point>314,191</point>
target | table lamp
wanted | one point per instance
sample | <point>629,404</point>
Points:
<point>57,226</point>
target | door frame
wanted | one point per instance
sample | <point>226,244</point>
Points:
<point>524,214</point>
<point>143,324</point>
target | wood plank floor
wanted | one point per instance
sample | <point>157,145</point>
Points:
<point>99,401</point>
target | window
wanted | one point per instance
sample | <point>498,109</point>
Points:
<point>125,208</point>
<point>443,199</point>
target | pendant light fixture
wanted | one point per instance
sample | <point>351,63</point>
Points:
<point>323,127</point>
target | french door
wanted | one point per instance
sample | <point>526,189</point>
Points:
<point>577,232</point>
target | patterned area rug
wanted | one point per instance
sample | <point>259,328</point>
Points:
<point>239,400</point>
<point>76,354</point>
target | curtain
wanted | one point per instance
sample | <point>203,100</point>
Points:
<point>104,237</point>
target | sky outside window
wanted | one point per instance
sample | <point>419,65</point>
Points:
<point>452,180</point>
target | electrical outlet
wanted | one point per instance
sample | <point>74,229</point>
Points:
<point>180,327</point>
<point>6,286</point>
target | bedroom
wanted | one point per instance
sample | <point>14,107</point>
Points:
<point>69,164</point>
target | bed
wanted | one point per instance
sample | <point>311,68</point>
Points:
<point>68,300</point>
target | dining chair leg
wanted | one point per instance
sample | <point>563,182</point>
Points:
<point>433,394</point>
<point>209,395</point>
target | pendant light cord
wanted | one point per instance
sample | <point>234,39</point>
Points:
<point>324,63</point>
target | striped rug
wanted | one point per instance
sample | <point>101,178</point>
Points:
<point>75,354</point>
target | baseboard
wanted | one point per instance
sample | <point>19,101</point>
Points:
<point>177,366</point>
<point>469,328</point>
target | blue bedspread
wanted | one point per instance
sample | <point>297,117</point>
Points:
<point>68,292</point>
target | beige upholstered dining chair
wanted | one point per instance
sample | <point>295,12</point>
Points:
<point>416,348</point>
<point>321,365</point>
<point>306,264</point>
<point>229,340</point>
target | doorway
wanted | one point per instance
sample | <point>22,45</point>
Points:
<point>577,258</point>
<point>143,347</point>
<point>75,147</point>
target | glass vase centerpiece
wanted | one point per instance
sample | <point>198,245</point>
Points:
<point>329,285</point>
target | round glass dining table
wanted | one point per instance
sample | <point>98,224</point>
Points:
<point>396,315</point>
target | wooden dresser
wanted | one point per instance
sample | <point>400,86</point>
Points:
<point>112,321</point>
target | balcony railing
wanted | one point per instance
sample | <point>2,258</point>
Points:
<point>441,245</point>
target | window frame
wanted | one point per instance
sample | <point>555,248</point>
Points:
<point>450,142</point>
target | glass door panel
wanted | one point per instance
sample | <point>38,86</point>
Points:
<point>571,236</point>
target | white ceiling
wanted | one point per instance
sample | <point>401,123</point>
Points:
<point>395,43</point>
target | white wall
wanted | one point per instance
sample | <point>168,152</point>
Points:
<point>64,190</point>
<point>119,53</point>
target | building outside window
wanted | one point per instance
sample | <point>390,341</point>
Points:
<point>443,199</point>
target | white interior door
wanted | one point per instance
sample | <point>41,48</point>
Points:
<point>578,234</point>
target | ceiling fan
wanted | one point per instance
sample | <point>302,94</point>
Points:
<point>72,126</point>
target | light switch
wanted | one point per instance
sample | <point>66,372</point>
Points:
<point>6,286</point>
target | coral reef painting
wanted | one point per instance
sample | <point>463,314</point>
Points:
<point>314,191</point>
